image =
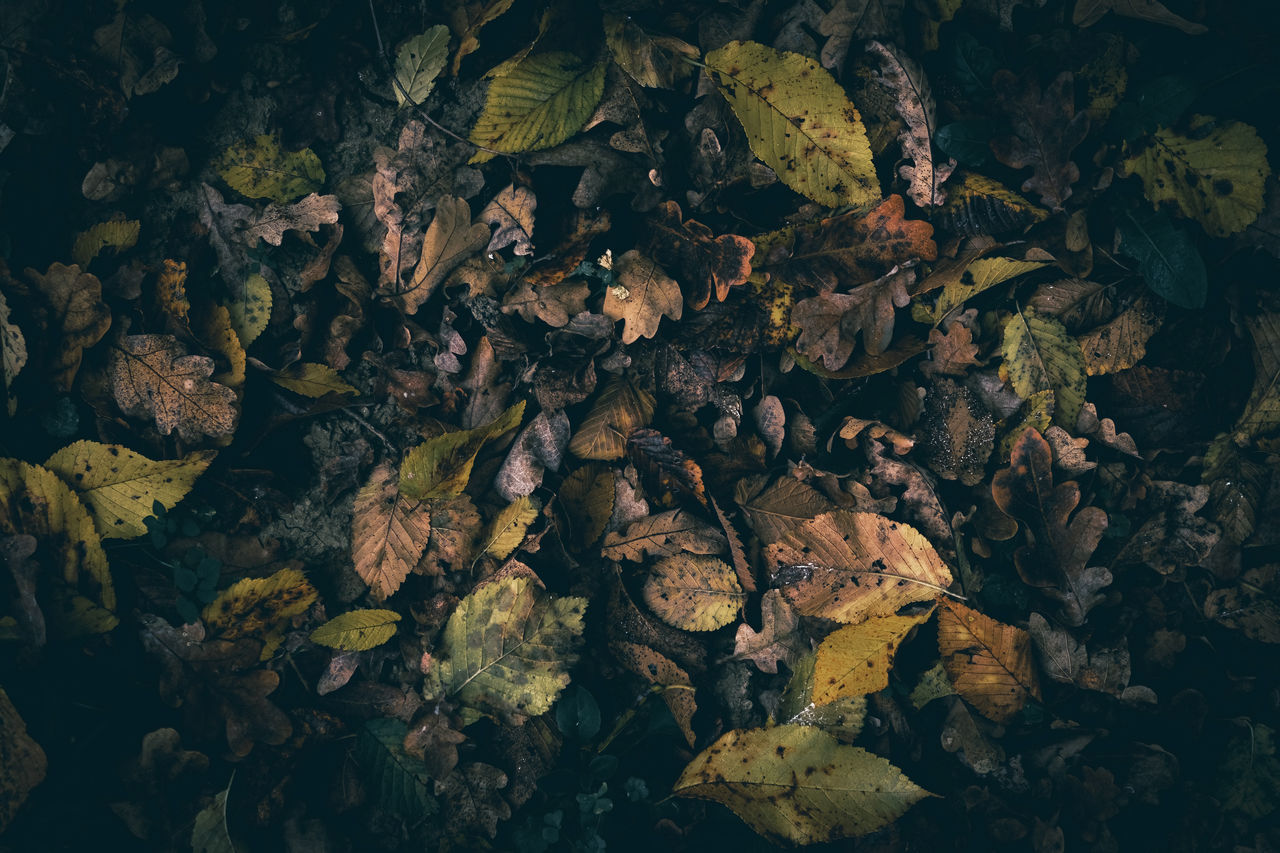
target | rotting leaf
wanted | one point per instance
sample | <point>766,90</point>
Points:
<point>512,211</point>
<point>1046,127</point>
<point>779,639</point>
<point>989,663</point>
<point>77,317</point>
<point>152,376</point>
<point>830,323</point>
<point>913,99</point>
<point>709,265</point>
<point>260,608</point>
<point>1039,355</point>
<point>662,672</point>
<point>694,592</point>
<point>450,239</point>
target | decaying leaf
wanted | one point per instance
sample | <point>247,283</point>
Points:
<point>152,376</point>
<point>357,630</point>
<point>1039,355</point>
<point>507,649</point>
<point>512,211</point>
<point>913,99</point>
<point>1262,412</point>
<point>77,317</point>
<point>977,205</point>
<point>138,46</point>
<point>663,535</point>
<point>951,353</point>
<point>989,663</point>
<point>1046,127</point>
<point>799,122</point>
<point>22,761</point>
<point>261,170</point>
<point>642,295</point>
<point>694,592</point>
<point>260,608</point>
<point>779,638</point>
<point>653,61</point>
<point>621,408</point>
<point>1067,659</point>
<point>660,671</point>
<point>830,323</point>
<point>399,780</point>
<point>956,433</point>
<point>831,791</point>
<point>472,799</point>
<point>389,532</point>
<point>1121,343</point>
<point>855,660</point>
<point>1088,12</point>
<point>553,304</point>
<point>451,238</point>
<point>121,486</point>
<point>709,265</point>
<point>1252,606</point>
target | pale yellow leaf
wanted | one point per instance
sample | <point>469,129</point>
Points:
<point>508,527</point>
<point>357,630</point>
<point>694,592</point>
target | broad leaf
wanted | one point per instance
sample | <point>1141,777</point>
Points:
<point>1166,256</point>
<point>440,467</point>
<point>1039,355</point>
<point>357,630</point>
<point>621,408</point>
<point>261,170</point>
<point>389,532</point>
<point>152,376</point>
<point>663,535</point>
<point>855,660</point>
<point>508,527</point>
<point>312,380</point>
<point>260,608</point>
<point>512,211</point>
<point>653,61</point>
<point>694,592</point>
<point>1121,343</point>
<point>400,782</point>
<point>660,671</point>
<point>1262,413</point>
<point>989,663</point>
<point>418,63</point>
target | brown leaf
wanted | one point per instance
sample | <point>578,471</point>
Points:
<point>988,662</point>
<point>1087,13</point>
<point>431,740</point>
<point>77,317</point>
<point>472,799</point>
<point>776,509</point>
<point>455,527</point>
<point>919,500</point>
<point>450,239</point>
<point>663,535</point>
<point>1173,536</point>
<point>1056,561</point>
<point>571,251</point>
<point>779,637</point>
<point>642,295</point>
<point>621,408</point>
<point>22,761</point>
<point>913,99</point>
<point>1066,659</point>
<point>306,214</point>
<point>512,211</point>
<point>956,434</point>
<point>152,376</point>
<point>587,495</point>
<point>553,304</point>
<point>1252,606</point>
<point>389,532</point>
<point>1046,127</point>
<point>708,265</point>
<point>659,670</point>
<point>829,323</point>
<point>1077,302</point>
<point>746,576</point>
<point>1121,343</point>
<point>668,467</point>
<point>951,353</point>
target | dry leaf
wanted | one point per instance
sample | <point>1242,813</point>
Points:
<point>855,660</point>
<point>694,592</point>
<point>663,535</point>
<point>621,408</point>
<point>553,304</point>
<point>989,663</point>
<point>709,265</point>
<point>77,317</point>
<point>260,608</point>
<point>829,323</point>
<point>450,239</point>
<point>1121,343</point>
<point>642,295</point>
<point>779,638</point>
<point>512,211</point>
<point>1088,12</point>
<point>1047,128</point>
<point>152,376</point>
<point>952,353</point>
<point>389,532</point>
<point>659,670</point>
<point>906,81</point>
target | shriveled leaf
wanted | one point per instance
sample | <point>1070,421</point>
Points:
<point>1046,128</point>
<point>799,121</point>
<point>152,376</point>
<point>357,630</point>
<point>541,102</point>
<point>389,532</point>
<point>508,527</point>
<point>1039,355</point>
<point>261,170</point>
<point>913,100</point>
<point>260,608</point>
<point>654,61</point>
<point>118,234</point>
<point>400,782</point>
<point>450,240</point>
<point>1215,174</point>
<point>666,467</point>
<point>121,486</point>
<point>465,20</point>
<point>507,649</point>
<point>642,295</point>
<point>989,663</point>
<point>440,467</point>
<point>779,638</point>
<point>418,62</point>
<point>830,323</point>
<point>1168,259</point>
<point>708,265</point>
<point>855,660</point>
<point>312,380</point>
<point>77,317</point>
<point>512,211</point>
<point>977,205</point>
<point>621,408</point>
<point>660,671</point>
<point>850,566</point>
<point>799,785</point>
<point>1121,343</point>
<point>956,433</point>
<point>663,535</point>
<point>694,592</point>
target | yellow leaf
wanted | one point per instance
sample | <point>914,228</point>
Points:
<point>989,663</point>
<point>982,274</point>
<point>262,170</point>
<point>121,486</point>
<point>1121,343</point>
<point>118,234</point>
<point>450,239</point>
<point>933,684</point>
<point>1216,175</point>
<point>171,290</point>
<point>541,102</point>
<point>508,527</point>
<point>1038,355</point>
<point>151,375</point>
<point>621,408</point>
<point>312,380</point>
<point>842,718</point>
<point>389,532</point>
<point>694,592</point>
<point>977,204</point>
<point>1036,413</point>
<point>855,660</point>
<point>507,650</point>
<point>357,630</point>
<point>642,295</point>
<point>78,318</point>
<point>33,500</point>
<point>466,18</point>
<point>660,671</point>
<point>664,535</point>
<point>440,467</point>
<point>418,63</point>
<point>798,121</point>
<point>260,608</point>
<point>798,785</point>
<point>218,335</point>
<point>24,763</point>
<point>850,566</point>
<point>587,496</point>
<point>252,311</point>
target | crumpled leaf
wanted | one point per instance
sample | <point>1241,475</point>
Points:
<point>1167,257</point>
<point>121,486</point>
<point>663,535</point>
<point>472,799</point>
<point>1046,127</point>
<point>977,205</point>
<point>357,630</point>
<point>621,408</point>
<point>660,671</point>
<point>261,170</point>
<point>312,380</point>
<point>855,660</point>
<point>989,663</point>
<point>1088,12</point>
<point>22,761</point>
<point>832,791</point>
<point>829,323</point>
<point>1039,355</point>
<point>694,592</point>
<point>642,295</point>
<point>512,211</point>
<point>708,265</point>
<point>799,121</point>
<point>152,376</point>
<point>657,62</point>
<point>545,99</point>
<point>450,239</point>
<point>418,63</point>
<point>260,608</point>
<point>666,467</point>
<point>389,532</point>
<point>778,640</point>
<point>850,566</point>
<point>77,317</point>
<point>913,99</point>
<point>400,781</point>
<point>1216,173</point>
<point>440,467</point>
<point>13,349</point>
<point>1056,563</point>
<point>507,649</point>
<point>508,527</point>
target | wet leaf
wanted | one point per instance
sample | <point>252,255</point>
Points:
<point>418,62</point>
<point>357,630</point>
<point>968,281</point>
<point>1046,128</point>
<point>152,376</point>
<point>312,380</point>
<point>694,592</point>
<point>261,170</point>
<point>553,304</point>
<point>389,532</point>
<point>1168,260</point>
<point>400,782</point>
<point>989,663</point>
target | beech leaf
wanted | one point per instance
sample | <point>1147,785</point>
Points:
<point>855,660</point>
<point>312,380</point>
<point>508,527</point>
<point>357,630</point>
<point>440,467</point>
<point>1039,355</point>
<point>418,63</point>
<point>621,408</point>
<point>261,170</point>
<point>260,608</point>
<point>663,535</point>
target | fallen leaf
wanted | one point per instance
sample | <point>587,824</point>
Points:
<point>913,99</point>
<point>659,670</point>
<point>512,211</point>
<point>260,608</point>
<point>775,508</point>
<point>13,351</point>
<point>217,334</point>
<point>139,48</point>
<point>842,719</point>
<point>507,530</point>
<point>585,226</point>
<point>389,532</point>
<point>357,630</point>
<point>968,280</point>
<point>431,740</point>
<point>799,121</point>
<point>1168,259</point>
<point>851,20</point>
<point>621,408</point>
<point>641,296</point>
<point>261,170</point>
<point>77,317</point>
<point>1121,343</point>
<point>989,663</point>
<point>1088,12</point>
<point>855,660</point>
<point>472,799</point>
<point>694,592</point>
<point>1262,413</point>
<point>400,782</point>
<point>1066,659</point>
<point>978,205</point>
<point>152,376</point>
<point>1173,536</point>
<point>251,312</point>
<point>833,791</point>
<point>657,62</point>
<point>466,17</point>
<point>22,761</point>
<point>455,527</point>
<point>1046,128</point>
<point>1039,355</point>
<point>312,380</point>
<point>829,323</point>
<point>1251,606</point>
<point>668,468</point>
<point>951,353</point>
<point>271,223</point>
<point>418,62</point>
<point>118,234</point>
<point>440,467</point>
<point>553,304</point>
<point>449,240</point>
<point>709,265</point>
<point>663,535</point>
<point>587,495</point>
<point>779,639</point>
<point>956,433</point>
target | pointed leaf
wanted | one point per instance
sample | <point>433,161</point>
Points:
<point>1039,355</point>
<point>312,380</point>
<point>663,535</point>
<point>855,660</point>
<point>399,781</point>
<point>621,408</point>
<point>418,63</point>
<point>989,663</point>
<point>357,630</point>
<point>1168,259</point>
<point>440,467</point>
<point>260,608</point>
<point>389,532</point>
<point>508,527</point>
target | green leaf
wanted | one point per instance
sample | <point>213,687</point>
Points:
<point>1168,260</point>
<point>1039,354</point>
<point>543,101</point>
<point>799,122</point>
<point>418,63</point>
<point>508,527</point>
<point>312,380</point>
<point>507,650</point>
<point>209,833</point>
<point>440,467</point>
<point>261,170</point>
<point>357,630</point>
<point>121,487</point>
<point>251,312</point>
<point>401,782</point>
<point>799,785</point>
<point>981,275</point>
<point>1216,174</point>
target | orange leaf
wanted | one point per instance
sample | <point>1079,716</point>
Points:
<point>989,663</point>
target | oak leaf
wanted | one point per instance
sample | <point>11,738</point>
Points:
<point>951,353</point>
<point>151,375</point>
<point>694,592</point>
<point>1088,12</point>
<point>472,799</point>
<point>642,295</point>
<point>512,211</point>
<point>1046,128</point>
<point>829,323</point>
<point>449,240</point>
<point>77,317</point>
<point>389,532</point>
<point>989,663</point>
<point>779,639</point>
<point>553,304</point>
<point>13,351</point>
<point>708,265</point>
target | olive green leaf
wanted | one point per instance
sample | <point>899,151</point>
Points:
<point>799,122</point>
<point>251,312</point>
<point>440,467</point>
<point>1039,354</point>
<point>357,630</point>
<point>508,527</point>
<point>312,380</point>
<point>543,101</point>
<point>418,63</point>
<point>261,170</point>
